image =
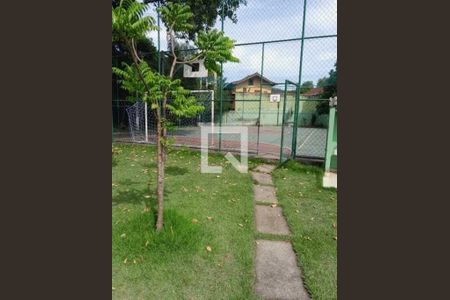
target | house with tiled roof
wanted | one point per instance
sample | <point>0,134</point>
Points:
<point>254,83</point>
<point>314,93</point>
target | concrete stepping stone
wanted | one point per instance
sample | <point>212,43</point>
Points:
<point>270,220</point>
<point>262,178</point>
<point>264,193</point>
<point>277,274</point>
<point>329,180</point>
<point>265,168</point>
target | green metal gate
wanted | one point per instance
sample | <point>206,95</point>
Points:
<point>288,128</point>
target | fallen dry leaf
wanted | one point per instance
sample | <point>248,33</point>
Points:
<point>209,218</point>
<point>125,261</point>
<point>194,221</point>
<point>334,225</point>
<point>241,225</point>
<point>123,235</point>
<point>335,238</point>
<point>273,205</point>
<point>147,196</point>
<point>208,248</point>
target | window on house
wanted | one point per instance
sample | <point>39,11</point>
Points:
<point>250,82</point>
<point>195,67</point>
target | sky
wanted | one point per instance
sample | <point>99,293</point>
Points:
<point>268,20</point>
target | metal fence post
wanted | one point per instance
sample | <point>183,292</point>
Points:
<point>298,94</point>
<point>283,121</point>
<point>260,97</point>
<point>221,87</point>
<point>329,150</point>
<point>295,125</point>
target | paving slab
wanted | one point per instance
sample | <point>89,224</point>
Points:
<point>262,178</point>
<point>277,274</point>
<point>264,193</point>
<point>265,168</point>
<point>270,220</point>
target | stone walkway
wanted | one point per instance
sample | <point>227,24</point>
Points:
<point>277,274</point>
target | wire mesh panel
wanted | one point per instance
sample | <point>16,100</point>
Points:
<point>312,128</point>
<point>187,131</point>
<point>240,109</point>
<point>274,41</point>
<point>319,82</point>
<point>264,20</point>
<point>241,97</point>
<point>321,18</point>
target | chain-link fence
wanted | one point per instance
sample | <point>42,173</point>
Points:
<point>287,70</point>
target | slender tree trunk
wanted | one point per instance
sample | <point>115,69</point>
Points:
<point>162,134</point>
<point>160,155</point>
<point>172,69</point>
<point>162,163</point>
<point>171,38</point>
<point>160,173</point>
<point>136,59</point>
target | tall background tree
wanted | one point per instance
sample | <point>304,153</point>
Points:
<point>329,85</point>
<point>306,86</point>
<point>206,12</point>
<point>321,82</point>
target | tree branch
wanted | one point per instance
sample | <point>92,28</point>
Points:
<point>134,50</point>
<point>171,35</point>
<point>191,60</point>
<point>136,63</point>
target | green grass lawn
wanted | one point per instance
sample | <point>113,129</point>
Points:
<point>210,210</point>
<point>201,210</point>
<point>311,212</point>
